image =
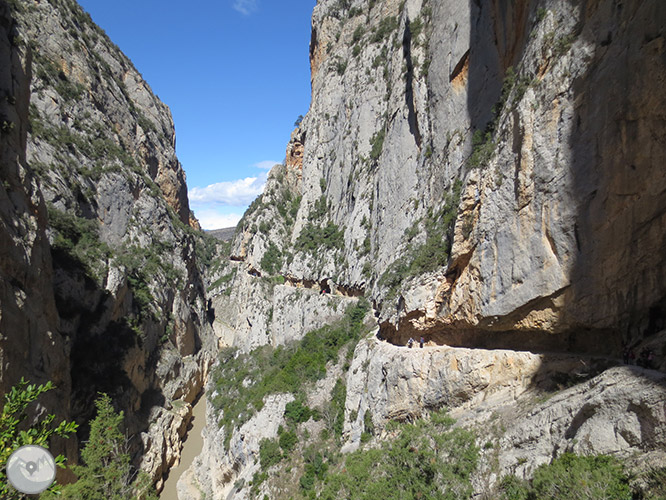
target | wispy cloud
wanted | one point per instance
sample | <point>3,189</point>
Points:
<point>232,193</point>
<point>238,193</point>
<point>245,7</point>
<point>265,165</point>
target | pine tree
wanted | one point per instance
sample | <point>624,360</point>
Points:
<point>106,472</point>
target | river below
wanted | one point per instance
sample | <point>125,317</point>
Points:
<point>191,448</point>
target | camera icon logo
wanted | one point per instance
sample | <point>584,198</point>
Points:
<point>31,469</point>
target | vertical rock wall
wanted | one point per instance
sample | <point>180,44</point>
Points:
<point>484,167</point>
<point>96,231</point>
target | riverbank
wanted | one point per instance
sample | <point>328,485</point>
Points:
<point>191,448</point>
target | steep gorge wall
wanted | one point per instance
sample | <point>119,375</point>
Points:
<point>482,167</point>
<point>487,174</point>
<point>98,230</point>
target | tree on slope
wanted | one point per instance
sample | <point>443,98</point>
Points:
<point>14,432</point>
<point>106,473</point>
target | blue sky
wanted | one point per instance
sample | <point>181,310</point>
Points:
<point>236,76</point>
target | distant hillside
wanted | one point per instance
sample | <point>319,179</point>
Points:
<point>224,234</point>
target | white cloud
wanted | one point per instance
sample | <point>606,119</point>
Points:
<point>232,193</point>
<point>245,7</point>
<point>210,218</point>
<point>266,165</point>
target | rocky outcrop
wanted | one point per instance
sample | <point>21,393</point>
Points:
<point>252,311</point>
<point>96,232</point>
<point>619,413</point>
<point>223,475</point>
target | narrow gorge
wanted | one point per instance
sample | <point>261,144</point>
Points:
<point>434,294</point>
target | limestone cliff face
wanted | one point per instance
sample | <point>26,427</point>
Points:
<point>96,232</point>
<point>488,174</point>
<point>30,344</point>
<point>483,167</point>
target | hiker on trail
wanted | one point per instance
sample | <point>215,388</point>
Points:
<point>650,359</point>
<point>410,342</point>
<point>625,354</point>
<point>421,343</point>
<point>632,357</point>
<point>643,358</point>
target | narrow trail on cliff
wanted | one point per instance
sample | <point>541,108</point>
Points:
<point>192,447</point>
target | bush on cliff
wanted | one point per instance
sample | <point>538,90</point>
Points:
<point>106,473</point>
<point>427,459</point>
<point>243,381</point>
<point>14,433</point>
<point>572,477</point>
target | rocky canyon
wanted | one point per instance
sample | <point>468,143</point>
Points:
<point>465,240</point>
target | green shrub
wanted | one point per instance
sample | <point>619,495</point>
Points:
<point>426,460</point>
<point>377,144</point>
<point>296,412</point>
<point>315,468</point>
<point>386,26</point>
<point>358,34</point>
<point>572,477</point>
<point>340,66</point>
<point>243,381</point>
<point>337,407</point>
<point>288,440</point>
<point>271,262</point>
<point>319,210</point>
<point>483,149</point>
<point>106,472</point>
<point>415,28</point>
<point>269,453</point>
<point>313,238</point>
<point>13,435</point>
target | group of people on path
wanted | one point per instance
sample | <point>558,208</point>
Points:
<point>645,358</point>
<point>410,342</point>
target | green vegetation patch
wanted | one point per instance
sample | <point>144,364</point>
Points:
<point>386,27</point>
<point>314,237</point>
<point>271,262</point>
<point>377,144</point>
<point>14,434</point>
<point>243,381</point>
<point>434,252</point>
<point>77,238</point>
<point>572,477</point>
<point>427,459</point>
<point>143,265</point>
<point>483,141</point>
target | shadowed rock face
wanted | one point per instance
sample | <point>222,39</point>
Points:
<point>30,344</point>
<point>100,286</point>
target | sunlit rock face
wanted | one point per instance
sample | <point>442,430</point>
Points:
<point>549,220</point>
<point>488,175</point>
